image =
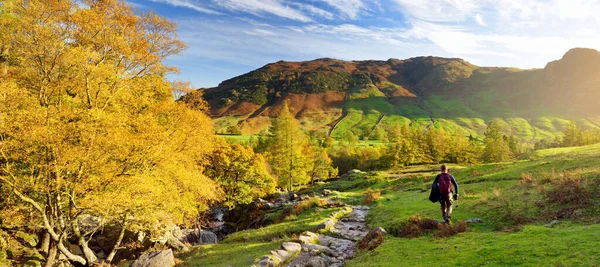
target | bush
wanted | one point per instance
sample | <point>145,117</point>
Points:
<point>569,194</point>
<point>371,196</point>
<point>571,189</point>
<point>416,226</point>
<point>301,207</point>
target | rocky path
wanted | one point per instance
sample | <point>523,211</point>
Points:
<point>334,250</point>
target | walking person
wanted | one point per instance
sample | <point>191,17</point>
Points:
<point>444,183</point>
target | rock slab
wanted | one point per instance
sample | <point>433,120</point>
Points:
<point>163,258</point>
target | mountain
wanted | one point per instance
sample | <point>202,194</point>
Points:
<point>336,96</point>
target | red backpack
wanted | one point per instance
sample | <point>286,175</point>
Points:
<point>445,183</point>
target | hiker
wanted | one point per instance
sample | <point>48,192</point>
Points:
<point>444,182</point>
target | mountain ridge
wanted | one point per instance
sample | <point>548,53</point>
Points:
<point>452,91</point>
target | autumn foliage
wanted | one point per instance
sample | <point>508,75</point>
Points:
<point>88,124</point>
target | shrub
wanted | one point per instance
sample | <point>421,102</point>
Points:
<point>301,207</point>
<point>371,196</point>
<point>526,178</point>
<point>416,226</point>
<point>570,189</point>
<point>568,194</point>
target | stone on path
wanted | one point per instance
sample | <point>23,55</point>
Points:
<point>291,247</point>
<point>474,220</point>
<point>326,225</point>
<point>319,248</point>
<point>281,255</point>
<point>267,261</point>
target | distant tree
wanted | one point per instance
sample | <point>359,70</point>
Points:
<point>366,134</point>
<point>437,144</point>
<point>234,129</point>
<point>350,138</point>
<point>328,142</point>
<point>496,144</point>
<point>322,168</point>
<point>240,172</point>
<point>462,150</point>
<point>572,135</point>
<point>378,133</point>
<point>287,150</point>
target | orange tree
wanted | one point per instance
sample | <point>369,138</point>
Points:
<point>88,124</point>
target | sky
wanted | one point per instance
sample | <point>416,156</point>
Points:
<point>227,38</point>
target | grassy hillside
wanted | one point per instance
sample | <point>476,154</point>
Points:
<point>538,212</point>
<point>338,96</point>
<point>515,212</point>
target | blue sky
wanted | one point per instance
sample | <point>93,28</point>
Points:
<point>227,38</point>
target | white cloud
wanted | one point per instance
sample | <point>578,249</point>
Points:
<point>258,7</point>
<point>439,10</point>
<point>188,4</point>
<point>479,20</point>
<point>350,8</point>
<point>260,32</point>
<point>315,10</point>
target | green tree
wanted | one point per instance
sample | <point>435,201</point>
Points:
<point>240,172</point>
<point>322,168</point>
<point>496,144</point>
<point>287,150</point>
<point>437,144</point>
<point>572,135</point>
<point>462,150</point>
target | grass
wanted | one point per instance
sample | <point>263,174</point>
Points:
<point>534,245</point>
<point>245,247</point>
<point>231,254</point>
<point>515,201</point>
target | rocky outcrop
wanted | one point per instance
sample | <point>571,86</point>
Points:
<point>163,258</point>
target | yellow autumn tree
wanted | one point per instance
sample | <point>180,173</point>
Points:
<point>240,172</point>
<point>88,124</point>
<point>291,155</point>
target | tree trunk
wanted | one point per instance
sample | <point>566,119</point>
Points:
<point>87,252</point>
<point>45,242</point>
<point>51,256</point>
<point>115,248</point>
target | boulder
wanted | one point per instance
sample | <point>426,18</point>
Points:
<point>177,245</point>
<point>196,236</point>
<point>208,237</point>
<point>291,247</point>
<point>326,192</point>
<point>161,258</point>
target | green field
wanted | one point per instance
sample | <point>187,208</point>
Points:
<point>509,198</point>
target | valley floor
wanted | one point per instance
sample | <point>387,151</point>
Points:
<point>541,212</point>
